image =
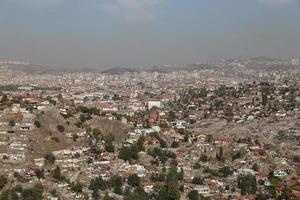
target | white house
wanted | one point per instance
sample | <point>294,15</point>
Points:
<point>180,124</point>
<point>26,127</point>
<point>279,173</point>
<point>202,189</point>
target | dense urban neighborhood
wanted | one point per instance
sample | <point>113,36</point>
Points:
<point>227,129</point>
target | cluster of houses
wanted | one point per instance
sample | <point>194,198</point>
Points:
<point>215,134</point>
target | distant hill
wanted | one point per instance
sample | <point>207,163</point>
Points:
<point>119,70</point>
<point>257,63</point>
<point>40,69</point>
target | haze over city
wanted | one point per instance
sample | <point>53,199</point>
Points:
<point>149,100</point>
<point>131,33</point>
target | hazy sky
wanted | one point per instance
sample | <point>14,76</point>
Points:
<point>114,33</point>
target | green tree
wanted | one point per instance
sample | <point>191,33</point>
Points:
<point>50,158</point>
<point>255,167</point>
<point>109,144</point>
<point>220,154</point>
<point>140,143</point>
<point>225,171</point>
<point>37,123</point>
<point>209,139</point>
<point>60,97</point>
<point>172,184</point>
<point>75,137</point>
<point>158,177</point>
<point>175,144</point>
<point>107,197</point>
<point>247,184</point>
<point>56,174</point>
<point>180,175</point>
<point>138,194</point>
<point>56,139</point>
<point>34,193</point>
<point>134,180</point>
<point>129,153</point>
<point>203,92</point>
<point>161,155</point>
<point>163,194</point>
<point>163,144</point>
<point>171,116</point>
<point>237,155</point>
<point>117,190</point>
<point>39,173</point>
<point>257,142</point>
<point>15,192</point>
<point>186,138</point>
<point>78,124</point>
<point>96,133</point>
<point>84,117</point>
<point>163,125</point>
<point>221,91</point>
<point>12,123</point>
<point>193,195</point>
<point>50,100</point>
<point>261,196</point>
<point>296,158</point>
<point>117,182</point>
<point>197,180</point>
<point>264,99</point>
<point>98,183</point>
<point>60,128</point>
<point>228,112</point>
<point>3,181</point>
<point>203,158</point>
<point>5,195</point>
<point>77,188</point>
<point>4,99</point>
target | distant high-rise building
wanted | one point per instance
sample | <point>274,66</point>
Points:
<point>295,61</point>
